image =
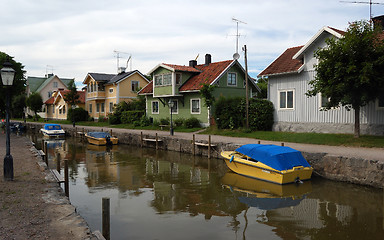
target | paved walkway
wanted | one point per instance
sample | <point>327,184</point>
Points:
<point>358,152</point>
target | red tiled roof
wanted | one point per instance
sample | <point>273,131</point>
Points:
<point>50,100</point>
<point>284,63</point>
<point>182,68</point>
<point>208,74</point>
<point>147,89</point>
<point>337,30</point>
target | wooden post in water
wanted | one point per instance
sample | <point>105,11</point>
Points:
<point>75,132</point>
<point>46,152</point>
<point>66,178</point>
<point>282,144</point>
<point>258,142</point>
<point>157,144</point>
<point>209,146</point>
<point>141,139</point>
<point>106,218</point>
<point>193,144</point>
<point>58,162</point>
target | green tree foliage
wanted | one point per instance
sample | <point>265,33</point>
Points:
<point>262,83</point>
<point>230,113</point>
<point>19,82</point>
<point>350,71</point>
<point>72,97</point>
<point>135,105</point>
<point>35,103</point>
<point>80,114</point>
<point>207,93</point>
<point>18,106</point>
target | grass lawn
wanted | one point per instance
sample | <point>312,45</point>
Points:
<point>311,138</point>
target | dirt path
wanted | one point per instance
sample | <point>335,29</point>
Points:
<point>33,206</point>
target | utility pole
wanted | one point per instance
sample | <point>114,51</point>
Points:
<point>246,86</point>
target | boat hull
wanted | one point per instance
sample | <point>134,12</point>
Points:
<point>53,133</point>
<point>261,171</point>
<point>101,141</point>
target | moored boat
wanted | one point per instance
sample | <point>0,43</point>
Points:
<point>101,138</point>
<point>52,130</point>
<point>270,163</point>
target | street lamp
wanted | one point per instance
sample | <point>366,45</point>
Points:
<point>7,76</point>
<point>171,104</point>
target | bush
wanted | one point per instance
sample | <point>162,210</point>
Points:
<point>80,114</point>
<point>113,119</point>
<point>164,121</point>
<point>179,122</point>
<point>192,123</point>
<point>230,113</point>
<point>144,121</point>
<point>131,116</point>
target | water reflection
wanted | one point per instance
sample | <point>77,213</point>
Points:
<point>168,195</point>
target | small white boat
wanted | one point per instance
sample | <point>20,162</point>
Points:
<point>52,130</point>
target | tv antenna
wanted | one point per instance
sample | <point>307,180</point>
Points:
<point>118,53</point>
<point>49,68</point>
<point>365,2</point>
<point>237,36</point>
<point>129,61</point>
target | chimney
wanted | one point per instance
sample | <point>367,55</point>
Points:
<point>121,70</point>
<point>208,59</point>
<point>192,63</point>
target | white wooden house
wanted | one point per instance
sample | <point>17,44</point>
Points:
<point>288,78</point>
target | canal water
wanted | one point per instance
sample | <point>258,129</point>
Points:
<point>169,195</point>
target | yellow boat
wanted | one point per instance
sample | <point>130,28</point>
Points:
<point>101,138</point>
<point>270,163</point>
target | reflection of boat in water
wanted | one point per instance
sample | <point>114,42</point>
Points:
<point>265,195</point>
<point>99,148</point>
<point>270,163</point>
<point>101,138</point>
<point>53,143</point>
<point>52,130</point>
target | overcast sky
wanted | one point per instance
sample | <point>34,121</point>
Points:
<point>73,37</point>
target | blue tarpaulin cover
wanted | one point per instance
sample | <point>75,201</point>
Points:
<point>98,134</point>
<point>277,157</point>
<point>52,126</point>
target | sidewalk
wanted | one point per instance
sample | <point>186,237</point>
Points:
<point>33,206</point>
<point>376,154</point>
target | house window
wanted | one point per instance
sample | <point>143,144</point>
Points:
<point>155,107</point>
<point>63,109</point>
<point>111,90</point>
<point>380,102</point>
<point>232,81</point>
<point>53,108</point>
<point>175,108</point>
<point>97,107</point>
<point>195,106</point>
<point>134,86</point>
<point>102,107</point>
<point>323,101</point>
<point>286,99</point>
<point>49,94</point>
<point>178,78</point>
<point>163,80</point>
<point>90,108</point>
<point>55,84</point>
<point>110,107</point>
<point>91,87</point>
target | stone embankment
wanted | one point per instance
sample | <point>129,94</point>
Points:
<point>363,166</point>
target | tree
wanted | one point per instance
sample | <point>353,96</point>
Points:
<point>72,98</point>
<point>262,83</point>
<point>35,103</point>
<point>19,81</point>
<point>350,71</point>
<point>18,106</point>
<point>206,92</point>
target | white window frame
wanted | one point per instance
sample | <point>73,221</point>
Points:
<point>177,107</point>
<point>158,105</point>
<point>97,107</point>
<point>55,84</point>
<point>132,85</point>
<point>191,101</point>
<point>111,107</point>
<point>111,90</point>
<point>102,106</point>
<point>90,108</point>
<point>378,107</point>
<point>160,81</point>
<point>232,85</point>
<point>286,99</point>
<point>178,76</point>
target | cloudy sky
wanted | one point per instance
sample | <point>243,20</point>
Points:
<point>73,37</point>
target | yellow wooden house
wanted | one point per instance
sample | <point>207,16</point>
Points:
<point>104,91</point>
<point>57,107</point>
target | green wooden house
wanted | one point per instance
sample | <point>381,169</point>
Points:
<point>179,86</point>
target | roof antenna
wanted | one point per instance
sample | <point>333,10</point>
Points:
<point>365,2</point>
<point>129,61</point>
<point>118,56</point>
<point>237,55</point>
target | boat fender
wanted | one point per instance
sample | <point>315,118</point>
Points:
<point>231,160</point>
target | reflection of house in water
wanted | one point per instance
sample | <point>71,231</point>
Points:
<point>100,166</point>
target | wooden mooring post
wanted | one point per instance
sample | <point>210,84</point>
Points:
<point>58,162</point>
<point>66,178</point>
<point>141,139</point>
<point>193,144</point>
<point>157,142</point>
<point>106,220</point>
<point>45,149</point>
<point>282,144</point>
<point>209,146</point>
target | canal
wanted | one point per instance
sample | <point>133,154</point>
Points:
<point>169,195</point>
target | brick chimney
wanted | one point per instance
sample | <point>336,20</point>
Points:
<point>192,63</point>
<point>208,59</point>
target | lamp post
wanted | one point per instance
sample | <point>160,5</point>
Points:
<point>171,104</point>
<point>7,76</point>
